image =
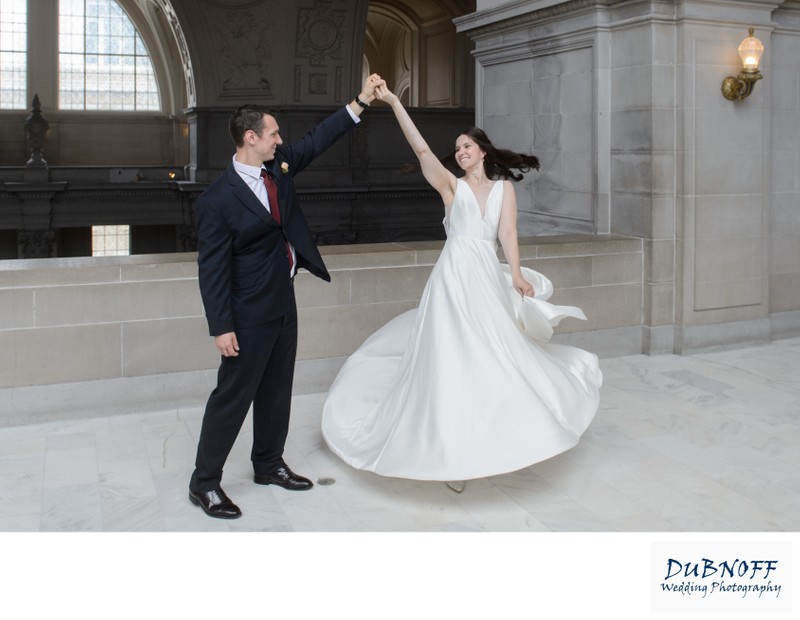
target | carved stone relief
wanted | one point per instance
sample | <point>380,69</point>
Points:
<point>319,33</point>
<point>318,84</point>
<point>242,38</point>
<point>319,43</point>
<point>337,83</point>
<point>36,243</point>
<point>186,61</point>
<point>298,85</point>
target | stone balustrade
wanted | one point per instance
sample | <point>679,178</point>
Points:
<point>89,336</point>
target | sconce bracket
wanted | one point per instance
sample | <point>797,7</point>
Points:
<point>739,87</point>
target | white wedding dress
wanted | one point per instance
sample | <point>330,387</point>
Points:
<point>466,385</point>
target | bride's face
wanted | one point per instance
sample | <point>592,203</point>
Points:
<point>468,154</point>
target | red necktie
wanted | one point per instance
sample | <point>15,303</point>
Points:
<point>272,194</point>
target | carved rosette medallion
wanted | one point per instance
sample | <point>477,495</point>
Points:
<point>319,33</point>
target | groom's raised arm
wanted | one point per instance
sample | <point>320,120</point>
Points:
<point>301,153</point>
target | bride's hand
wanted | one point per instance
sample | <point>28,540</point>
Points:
<point>383,93</point>
<point>523,287</point>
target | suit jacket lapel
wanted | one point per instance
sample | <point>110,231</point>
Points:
<point>247,197</point>
<point>273,167</point>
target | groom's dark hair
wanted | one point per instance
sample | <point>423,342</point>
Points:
<point>247,117</point>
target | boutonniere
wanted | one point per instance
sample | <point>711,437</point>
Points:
<point>284,167</point>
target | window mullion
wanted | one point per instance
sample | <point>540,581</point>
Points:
<point>42,78</point>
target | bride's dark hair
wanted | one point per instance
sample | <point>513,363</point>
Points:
<point>497,162</point>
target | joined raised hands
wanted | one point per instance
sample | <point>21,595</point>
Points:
<point>373,82</point>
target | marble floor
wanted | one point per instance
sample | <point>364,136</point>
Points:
<point>692,450</point>
<point>700,443</point>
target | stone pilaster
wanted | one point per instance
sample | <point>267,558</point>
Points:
<point>622,102</point>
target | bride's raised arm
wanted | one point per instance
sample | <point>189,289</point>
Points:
<point>440,178</point>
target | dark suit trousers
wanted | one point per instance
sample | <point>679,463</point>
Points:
<point>260,375</point>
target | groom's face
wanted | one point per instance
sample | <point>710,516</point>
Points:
<point>269,140</point>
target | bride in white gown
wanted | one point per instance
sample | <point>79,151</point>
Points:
<point>466,385</point>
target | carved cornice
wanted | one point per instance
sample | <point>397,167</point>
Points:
<point>787,16</point>
<point>33,196</point>
<point>34,191</point>
<point>493,20</point>
<point>95,194</point>
<point>521,14</point>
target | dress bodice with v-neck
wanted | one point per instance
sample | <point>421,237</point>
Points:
<point>466,385</point>
<point>464,216</point>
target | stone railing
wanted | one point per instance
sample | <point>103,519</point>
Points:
<point>89,336</point>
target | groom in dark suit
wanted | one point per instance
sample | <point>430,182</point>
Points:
<point>252,238</point>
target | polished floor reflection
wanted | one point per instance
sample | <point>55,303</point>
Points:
<point>698,443</point>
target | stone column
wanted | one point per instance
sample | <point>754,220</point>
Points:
<point>784,171</point>
<point>722,178</point>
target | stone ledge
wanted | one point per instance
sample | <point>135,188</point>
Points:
<point>98,367</point>
<point>80,319</point>
<point>555,245</point>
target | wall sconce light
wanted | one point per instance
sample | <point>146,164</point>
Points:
<point>171,175</point>
<point>739,87</point>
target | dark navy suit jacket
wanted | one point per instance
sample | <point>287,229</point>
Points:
<point>243,269</point>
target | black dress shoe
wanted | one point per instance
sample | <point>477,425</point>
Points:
<point>215,504</point>
<point>286,478</point>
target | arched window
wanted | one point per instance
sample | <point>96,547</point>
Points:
<point>13,54</point>
<point>102,61</point>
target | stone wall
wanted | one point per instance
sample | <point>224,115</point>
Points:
<point>784,166</point>
<point>623,101</point>
<point>88,336</point>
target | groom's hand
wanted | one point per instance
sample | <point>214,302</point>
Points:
<point>227,345</point>
<point>367,94</point>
